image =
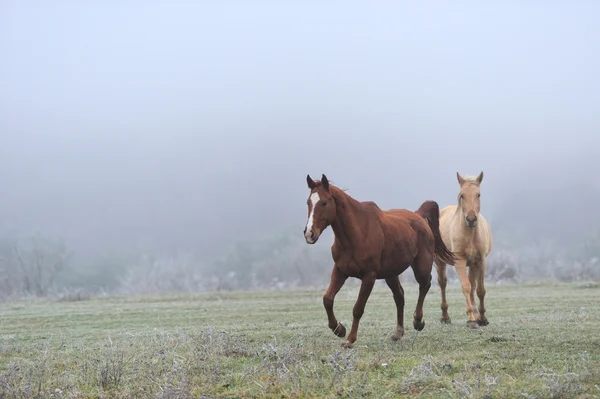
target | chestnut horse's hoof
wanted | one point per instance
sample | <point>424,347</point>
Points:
<point>399,334</point>
<point>446,320</point>
<point>348,345</point>
<point>483,322</point>
<point>340,330</point>
<point>472,324</point>
<point>419,325</point>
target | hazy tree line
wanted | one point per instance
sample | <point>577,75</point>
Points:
<point>544,228</point>
<point>40,266</point>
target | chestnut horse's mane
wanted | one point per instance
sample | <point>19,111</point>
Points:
<point>331,183</point>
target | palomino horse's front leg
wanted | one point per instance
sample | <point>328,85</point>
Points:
<point>368,281</point>
<point>398,293</point>
<point>482,320</point>
<point>337,281</point>
<point>473,272</point>
<point>461,270</point>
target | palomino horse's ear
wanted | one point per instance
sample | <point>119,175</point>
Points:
<point>325,182</point>
<point>461,181</point>
<point>310,182</point>
<point>480,178</point>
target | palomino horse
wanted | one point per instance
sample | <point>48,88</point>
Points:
<point>466,232</point>
<point>372,244</point>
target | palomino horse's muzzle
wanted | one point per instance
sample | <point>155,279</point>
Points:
<point>471,221</point>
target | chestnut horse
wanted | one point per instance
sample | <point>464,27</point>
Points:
<point>372,244</point>
<point>468,235</point>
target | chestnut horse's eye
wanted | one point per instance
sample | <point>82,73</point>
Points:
<point>324,203</point>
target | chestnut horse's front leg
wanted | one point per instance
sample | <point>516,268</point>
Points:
<point>337,281</point>
<point>368,281</point>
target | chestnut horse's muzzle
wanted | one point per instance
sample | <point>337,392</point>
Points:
<point>310,236</point>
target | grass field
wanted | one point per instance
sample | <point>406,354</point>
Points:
<point>543,341</point>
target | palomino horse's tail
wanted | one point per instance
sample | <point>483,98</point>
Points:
<point>430,211</point>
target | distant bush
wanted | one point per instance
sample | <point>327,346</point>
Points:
<point>273,263</point>
<point>30,266</point>
<point>503,266</point>
<point>100,274</point>
<point>576,270</point>
<point>149,274</point>
<point>74,296</point>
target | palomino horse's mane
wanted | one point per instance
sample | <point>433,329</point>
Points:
<point>471,179</point>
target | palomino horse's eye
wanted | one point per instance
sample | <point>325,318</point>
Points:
<point>462,196</point>
<point>478,195</point>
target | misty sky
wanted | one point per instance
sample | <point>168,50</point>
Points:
<point>188,125</point>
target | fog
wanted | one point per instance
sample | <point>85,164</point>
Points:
<point>187,127</point>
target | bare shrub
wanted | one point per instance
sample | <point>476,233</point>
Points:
<point>179,391</point>
<point>211,344</point>
<point>30,266</point>
<point>421,375</point>
<point>111,368</point>
<point>562,385</point>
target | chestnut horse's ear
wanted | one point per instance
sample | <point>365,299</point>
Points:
<point>325,182</point>
<point>461,181</point>
<point>480,178</point>
<point>310,182</point>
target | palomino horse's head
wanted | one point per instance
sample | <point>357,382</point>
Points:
<point>321,209</point>
<point>468,198</point>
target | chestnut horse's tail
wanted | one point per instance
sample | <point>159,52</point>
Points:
<point>430,211</point>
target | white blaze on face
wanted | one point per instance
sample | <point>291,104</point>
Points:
<point>314,199</point>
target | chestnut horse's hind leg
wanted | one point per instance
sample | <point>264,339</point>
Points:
<point>336,283</point>
<point>368,281</point>
<point>422,270</point>
<point>442,281</point>
<point>398,292</point>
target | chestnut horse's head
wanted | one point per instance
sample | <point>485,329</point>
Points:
<point>468,198</point>
<point>321,209</point>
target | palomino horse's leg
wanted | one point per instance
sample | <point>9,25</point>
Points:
<point>482,320</point>
<point>368,281</point>
<point>422,270</point>
<point>473,273</point>
<point>336,283</point>
<point>398,292</point>
<point>461,270</point>
<point>442,281</point>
